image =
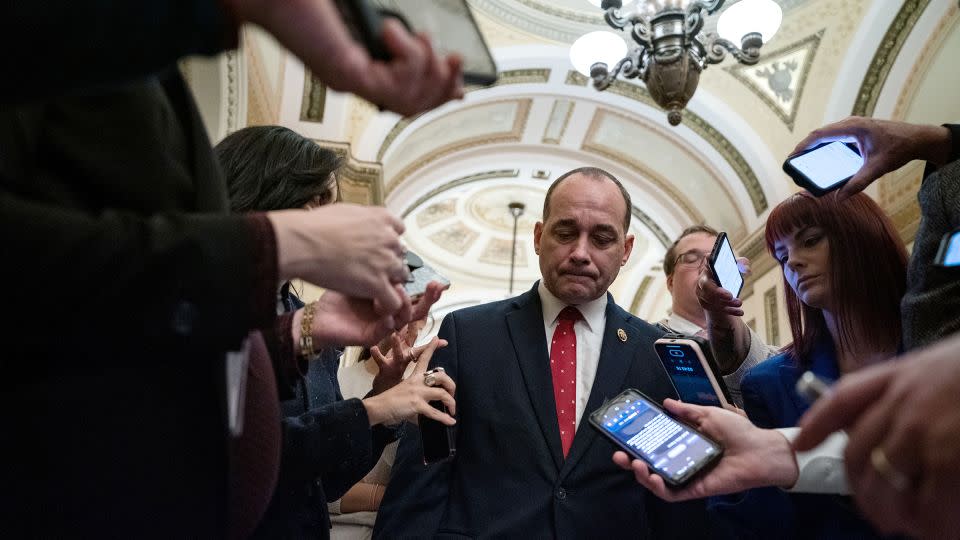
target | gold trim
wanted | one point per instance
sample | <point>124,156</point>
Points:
<point>514,135</point>
<point>886,55</point>
<point>918,72</point>
<point>314,98</point>
<point>738,70</point>
<point>361,182</point>
<point>641,292</point>
<point>701,127</point>
<point>772,316</point>
<point>563,127</point>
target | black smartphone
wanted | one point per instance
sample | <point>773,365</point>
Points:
<point>437,439</point>
<point>644,430</point>
<point>449,23</point>
<point>949,252</point>
<point>421,274</point>
<point>824,167</point>
<point>724,267</point>
<point>688,361</point>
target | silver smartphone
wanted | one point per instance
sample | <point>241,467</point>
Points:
<point>421,274</point>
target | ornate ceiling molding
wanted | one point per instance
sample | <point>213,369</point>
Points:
<point>557,121</point>
<point>775,69</point>
<point>361,182</point>
<point>512,76</point>
<point>886,55</point>
<point>463,180</point>
<point>701,127</point>
<point>513,135</point>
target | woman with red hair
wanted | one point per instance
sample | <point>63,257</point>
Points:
<point>844,274</point>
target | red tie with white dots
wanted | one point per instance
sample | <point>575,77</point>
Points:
<point>563,366</point>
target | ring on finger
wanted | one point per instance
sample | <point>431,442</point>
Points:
<point>430,376</point>
<point>894,476</point>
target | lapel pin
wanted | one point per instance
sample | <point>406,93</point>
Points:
<point>622,334</point>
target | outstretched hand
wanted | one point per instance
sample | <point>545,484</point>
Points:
<point>752,457</point>
<point>885,146</point>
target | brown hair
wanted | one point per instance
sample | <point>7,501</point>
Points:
<point>592,172</point>
<point>670,258</point>
<point>868,269</point>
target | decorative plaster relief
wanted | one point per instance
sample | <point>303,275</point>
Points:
<point>497,251</point>
<point>557,123</point>
<point>778,80</point>
<point>314,98</point>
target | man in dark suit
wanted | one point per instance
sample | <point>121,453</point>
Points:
<point>526,463</point>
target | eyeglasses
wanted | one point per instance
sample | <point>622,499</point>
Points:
<point>694,257</point>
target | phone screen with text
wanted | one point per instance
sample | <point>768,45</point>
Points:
<point>672,449</point>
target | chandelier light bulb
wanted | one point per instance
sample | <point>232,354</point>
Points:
<point>599,46</point>
<point>746,16</point>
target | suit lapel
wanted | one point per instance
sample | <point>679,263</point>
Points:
<point>525,325</point>
<point>615,358</point>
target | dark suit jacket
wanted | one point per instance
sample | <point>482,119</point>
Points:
<point>771,401</point>
<point>509,477</point>
<point>112,403</point>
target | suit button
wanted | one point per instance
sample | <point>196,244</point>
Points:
<point>561,494</point>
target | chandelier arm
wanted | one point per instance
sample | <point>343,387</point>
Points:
<point>710,6</point>
<point>641,33</point>
<point>716,48</point>
<point>603,79</point>
<point>635,65</point>
<point>614,19</point>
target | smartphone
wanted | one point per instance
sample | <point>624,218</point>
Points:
<point>449,23</point>
<point>824,167</point>
<point>811,387</point>
<point>645,431</point>
<point>420,275</point>
<point>688,360</point>
<point>437,439</point>
<point>949,252</point>
<point>724,267</point>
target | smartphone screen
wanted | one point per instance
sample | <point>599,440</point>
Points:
<point>673,450</point>
<point>687,374</point>
<point>725,267</point>
<point>828,165</point>
<point>452,29</point>
<point>950,250</point>
<point>436,438</point>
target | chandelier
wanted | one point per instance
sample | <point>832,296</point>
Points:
<point>671,50</point>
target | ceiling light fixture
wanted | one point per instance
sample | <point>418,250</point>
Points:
<point>671,51</point>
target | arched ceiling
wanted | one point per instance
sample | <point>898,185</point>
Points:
<point>451,172</point>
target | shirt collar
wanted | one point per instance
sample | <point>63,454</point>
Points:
<point>681,325</point>
<point>594,311</point>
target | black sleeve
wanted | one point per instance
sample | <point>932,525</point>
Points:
<point>199,270</point>
<point>60,45</point>
<point>333,439</point>
<point>338,481</point>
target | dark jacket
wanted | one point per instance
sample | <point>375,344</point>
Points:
<point>771,401</point>
<point>509,477</point>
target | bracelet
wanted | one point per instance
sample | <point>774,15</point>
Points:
<point>306,338</point>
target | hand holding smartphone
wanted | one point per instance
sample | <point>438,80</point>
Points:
<point>641,428</point>
<point>724,267</point>
<point>688,361</point>
<point>824,167</point>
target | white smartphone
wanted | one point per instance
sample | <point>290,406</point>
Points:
<point>724,267</point>
<point>824,167</point>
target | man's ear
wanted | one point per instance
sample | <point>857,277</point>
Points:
<point>670,283</point>
<point>627,248</point>
<point>537,232</point>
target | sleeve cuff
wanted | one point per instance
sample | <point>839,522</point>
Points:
<point>757,353</point>
<point>821,469</point>
<point>263,246</point>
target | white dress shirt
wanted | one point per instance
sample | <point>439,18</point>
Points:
<point>589,332</point>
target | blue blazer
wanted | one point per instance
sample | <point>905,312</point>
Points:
<point>771,401</point>
<point>509,477</point>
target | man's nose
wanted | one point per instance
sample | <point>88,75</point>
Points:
<point>580,252</point>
